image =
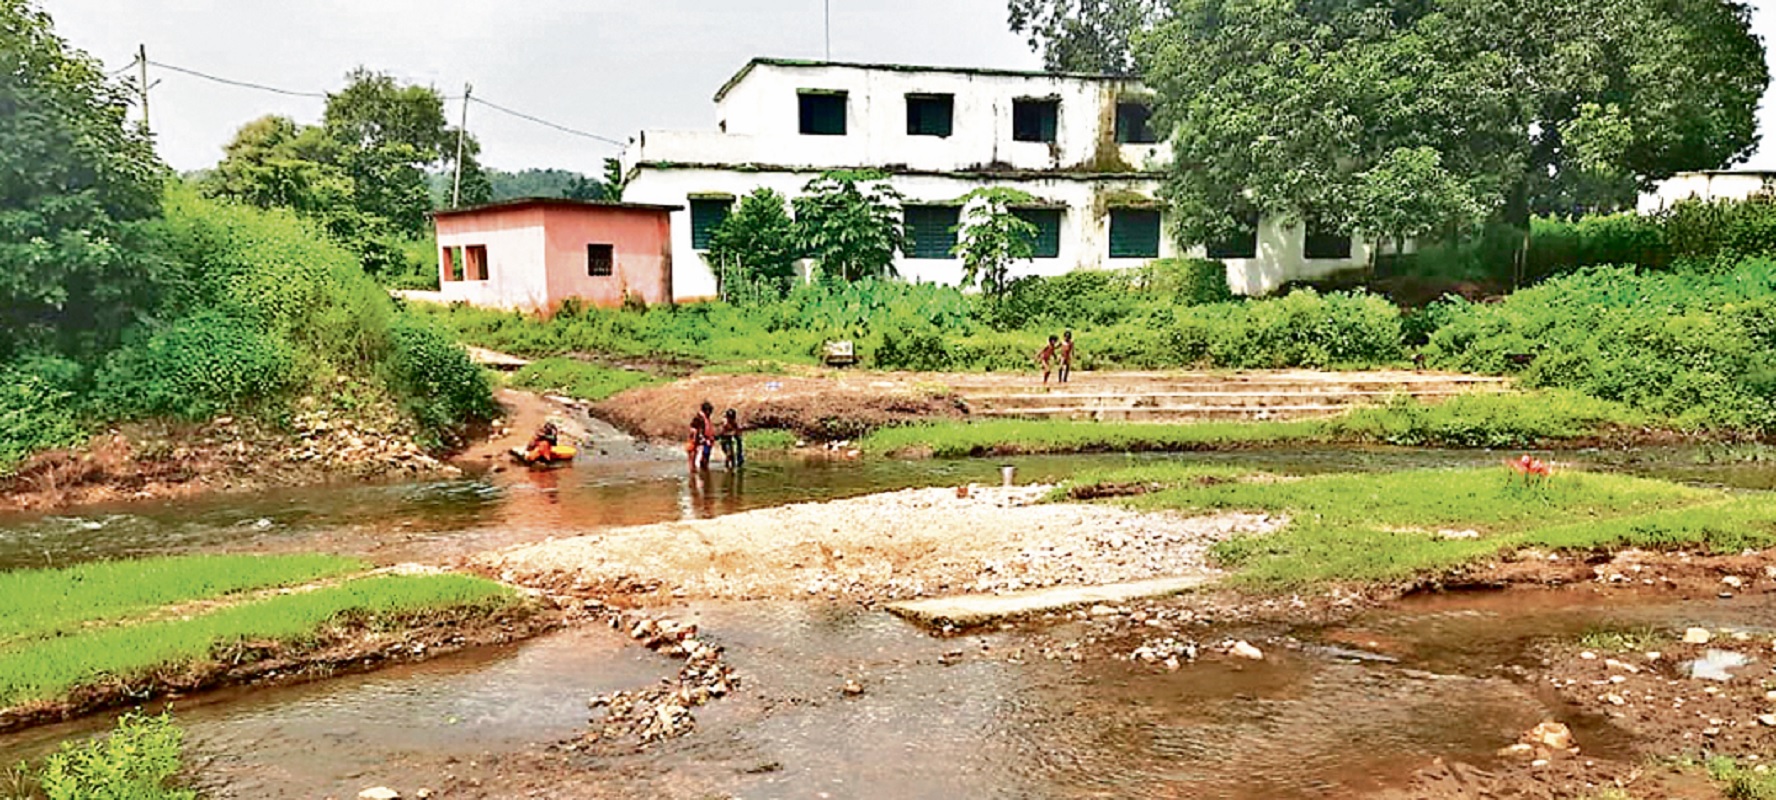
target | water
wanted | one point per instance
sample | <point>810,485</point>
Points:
<point>1306,722</point>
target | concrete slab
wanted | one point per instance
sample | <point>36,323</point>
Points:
<point>970,610</point>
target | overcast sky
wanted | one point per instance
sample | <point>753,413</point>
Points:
<point>610,67</point>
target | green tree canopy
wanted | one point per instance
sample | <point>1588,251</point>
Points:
<point>1281,106</point>
<point>1084,35</point>
<point>849,223</point>
<point>77,182</point>
<point>991,238</point>
<point>756,246</point>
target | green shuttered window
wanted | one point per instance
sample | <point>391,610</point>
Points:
<point>1329,245</point>
<point>1242,244</point>
<point>1048,230</point>
<point>823,113</point>
<point>1035,120</point>
<point>706,216</point>
<point>1134,233</point>
<point>931,231</point>
<point>930,114</point>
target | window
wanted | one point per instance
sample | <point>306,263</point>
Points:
<point>1134,233</point>
<point>600,260</point>
<point>1034,120</point>
<point>823,113</point>
<point>1242,244</point>
<point>1133,123</point>
<point>1048,230</point>
<point>931,231</point>
<point>450,263</point>
<point>930,114</point>
<point>1327,245</point>
<point>707,214</point>
<point>475,263</point>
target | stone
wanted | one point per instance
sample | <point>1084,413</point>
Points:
<point>1550,734</point>
<point>1767,720</point>
<point>1697,636</point>
<point>1734,581</point>
<point>379,793</point>
<point>1518,750</point>
<point>1615,700</point>
<point>852,688</point>
<point>1588,656</point>
<point>1244,649</point>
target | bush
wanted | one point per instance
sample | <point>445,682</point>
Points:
<point>134,763</point>
<point>195,367</point>
<point>37,412</point>
<point>440,387</point>
<point>1187,281</point>
<point>1301,329</point>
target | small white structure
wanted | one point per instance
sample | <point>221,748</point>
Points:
<point>1081,144</point>
<point>1707,185</point>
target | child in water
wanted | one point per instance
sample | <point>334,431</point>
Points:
<point>696,446</point>
<point>733,449</point>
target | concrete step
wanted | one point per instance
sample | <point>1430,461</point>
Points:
<point>1065,399</point>
<point>1085,385</point>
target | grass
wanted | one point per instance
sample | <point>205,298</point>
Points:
<point>1017,436</point>
<point>47,602</point>
<point>137,761</point>
<point>770,441</point>
<point>47,669</point>
<point>1387,527</point>
<point>582,380</point>
<point>1623,640</point>
<point>1740,782</point>
<point>1513,419</point>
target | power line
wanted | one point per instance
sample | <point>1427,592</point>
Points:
<point>243,84</point>
<point>540,121</point>
<point>323,95</point>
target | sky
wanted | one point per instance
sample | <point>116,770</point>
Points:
<point>607,67</point>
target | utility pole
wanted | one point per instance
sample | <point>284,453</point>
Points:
<point>462,133</point>
<point>829,30</point>
<point>142,62</point>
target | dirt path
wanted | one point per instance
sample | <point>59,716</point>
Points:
<point>895,545</point>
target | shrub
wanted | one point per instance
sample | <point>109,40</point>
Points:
<point>37,412</point>
<point>135,762</point>
<point>195,367</point>
<point>1187,281</point>
<point>578,379</point>
<point>440,387</point>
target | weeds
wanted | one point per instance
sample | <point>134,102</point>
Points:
<point>578,379</point>
<point>135,762</point>
<point>1742,783</point>
<point>1623,640</point>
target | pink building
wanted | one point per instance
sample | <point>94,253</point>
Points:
<point>532,254</point>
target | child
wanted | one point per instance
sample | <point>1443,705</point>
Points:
<point>542,446</point>
<point>1066,356</point>
<point>699,434</point>
<point>733,449</point>
<point>1046,356</point>
<point>707,414</point>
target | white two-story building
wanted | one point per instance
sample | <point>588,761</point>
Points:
<point>1081,144</point>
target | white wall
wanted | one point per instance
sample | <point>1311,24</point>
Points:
<point>516,275</point>
<point>761,114</point>
<point>1704,186</point>
<point>1085,227</point>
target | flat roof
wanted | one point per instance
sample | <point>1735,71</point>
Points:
<point>521,202</point>
<point>1725,172</point>
<point>1010,73</point>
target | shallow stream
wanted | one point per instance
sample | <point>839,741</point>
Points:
<point>1308,721</point>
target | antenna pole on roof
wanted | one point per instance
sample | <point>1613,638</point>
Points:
<point>828,30</point>
<point>461,134</point>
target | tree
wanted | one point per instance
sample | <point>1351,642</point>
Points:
<point>1281,107</point>
<point>1084,35</point>
<point>78,185</point>
<point>991,238</point>
<point>758,241</point>
<point>1409,195</point>
<point>849,222</point>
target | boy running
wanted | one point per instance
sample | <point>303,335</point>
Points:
<point>1046,356</point>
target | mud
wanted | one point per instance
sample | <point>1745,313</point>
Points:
<point>832,406</point>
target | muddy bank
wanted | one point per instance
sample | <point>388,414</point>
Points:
<point>895,545</point>
<point>346,647</point>
<point>156,460</point>
<point>835,405</point>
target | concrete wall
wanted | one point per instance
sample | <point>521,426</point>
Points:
<point>1705,186</point>
<point>642,245</point>
<point>516,278</point>
<point>1085,227</point>
<point>759,121</point>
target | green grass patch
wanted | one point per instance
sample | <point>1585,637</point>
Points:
<point>46,669</point>
<point>1739,782</point>
<point>47,602</point>
<point>1141,479</point>
<point>1623,640</point>
<point>1388,527</point>
<point>1015,436</point>
<point>1492,419</point>
<point>770,441</point>
<point>137,761</point>
<point>578,379</point>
